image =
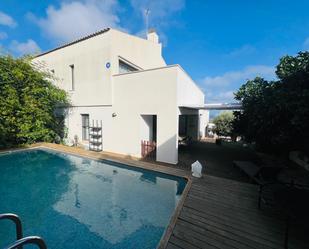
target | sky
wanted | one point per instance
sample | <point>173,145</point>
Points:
<point>221,44</point>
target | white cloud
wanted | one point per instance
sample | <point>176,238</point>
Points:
<point>7,20</point>
<point>243,50</point>
<point>231,77</point>
<point>160,15</point>
<point>159,9</point>
<point>22,48</point>
<point>306,43</point>
<point>222,97</point>
<point>3,35</point>
<point>220,88</point>
<point>73,20</point>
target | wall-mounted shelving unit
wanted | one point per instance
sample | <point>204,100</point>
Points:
<point>96,136</point>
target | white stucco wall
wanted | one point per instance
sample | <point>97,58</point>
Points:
<point>99,91</point>
<point>141,52</point>
<point>92,78</point>
<point>203,122</point>
<point>188,93</point>
<point>151,92</point>
<point>146,127</point>
<point>93,81</point>
<point>74,121</point>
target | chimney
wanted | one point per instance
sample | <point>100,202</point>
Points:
<point>152,36</point>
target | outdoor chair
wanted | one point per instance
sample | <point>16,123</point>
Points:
<point>259,174</point>
<point>262,175</point>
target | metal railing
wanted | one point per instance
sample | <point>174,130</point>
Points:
<point>20,241</point>
<point>17,221</point>
<point>28,240</point>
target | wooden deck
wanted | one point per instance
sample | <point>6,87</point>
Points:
<point>222,213</point>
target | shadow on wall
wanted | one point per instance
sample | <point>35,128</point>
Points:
<point>167,152</point>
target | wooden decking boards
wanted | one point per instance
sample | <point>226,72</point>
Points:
<point>220,213</point>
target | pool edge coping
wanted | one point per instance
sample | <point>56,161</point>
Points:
<point>172,223</point>
<point>133,163</point>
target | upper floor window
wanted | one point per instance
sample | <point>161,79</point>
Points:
<point>125,67</point>
<point>72,78</point>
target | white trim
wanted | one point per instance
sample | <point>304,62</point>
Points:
<point>159,68</point>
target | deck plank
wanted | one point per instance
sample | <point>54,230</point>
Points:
<point>221,214</point>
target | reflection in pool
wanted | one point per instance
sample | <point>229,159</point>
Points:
<point>73,202</point>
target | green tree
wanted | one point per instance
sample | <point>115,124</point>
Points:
<point>276,114</point>
<point>29,104</point>
<point>224,123</point>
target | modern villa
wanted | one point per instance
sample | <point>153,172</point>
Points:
<point>120,85</point>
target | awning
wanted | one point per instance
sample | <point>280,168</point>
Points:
<point>215,106</point>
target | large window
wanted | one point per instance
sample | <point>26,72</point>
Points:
<point>72,78</point>
<point>125,67</point>
<point>85,127</point>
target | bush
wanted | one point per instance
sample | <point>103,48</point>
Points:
<point>224,124</point>
<point>276,114</point>
<point>28,104</point>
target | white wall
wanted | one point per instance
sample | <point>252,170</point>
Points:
<point>141,52</point>
<point>74,121</point>
<point>92,78</point>
<point>203,122</point>
<point>151,92</point>
<point>146,127</point>
<point>99,92</point>
<point>93,81</point>
<point>188,93</point>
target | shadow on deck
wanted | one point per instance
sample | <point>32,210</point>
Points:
<point>216,160</point>
<point>223,213</point>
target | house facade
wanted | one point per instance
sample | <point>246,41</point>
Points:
<point>122,82</point>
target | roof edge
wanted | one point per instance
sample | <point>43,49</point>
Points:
<point>74,42</point>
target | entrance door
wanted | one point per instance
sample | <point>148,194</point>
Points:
<point>148,136</point>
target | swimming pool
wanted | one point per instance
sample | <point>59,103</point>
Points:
<point>75,202</point>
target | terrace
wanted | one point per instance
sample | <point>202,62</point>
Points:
<point>221,209</point>
<point>223,213</point>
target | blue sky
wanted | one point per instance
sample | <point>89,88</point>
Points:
<point>219,43</point>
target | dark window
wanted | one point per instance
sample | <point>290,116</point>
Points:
<point>72,78</point>
<point>125,67</point>
<point>85,126</point>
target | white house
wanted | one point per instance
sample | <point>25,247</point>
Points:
<point>122,81</point>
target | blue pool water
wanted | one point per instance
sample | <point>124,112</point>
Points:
<point>73,202</point>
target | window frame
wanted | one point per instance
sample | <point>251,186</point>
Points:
<point>129,65</point>
<point>72,78</point>
<point>85,126</point>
